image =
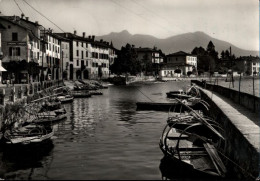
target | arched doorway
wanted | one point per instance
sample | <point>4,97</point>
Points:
<point>78,74</point>
<point>85,74</point>
<point>71,71</point>
<point>65,74</point>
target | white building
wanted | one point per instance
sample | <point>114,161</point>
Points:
<point>179,64</point>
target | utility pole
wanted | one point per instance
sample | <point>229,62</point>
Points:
<point>232,79</point>
<point>62,64</point>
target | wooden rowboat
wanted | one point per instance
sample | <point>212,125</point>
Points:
<point>30,134</point>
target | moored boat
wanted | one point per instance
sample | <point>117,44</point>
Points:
<point>192,92</point>
<point>65,98</point>
<point>81,94</point>
<point>29,134</point>
<point>192,151</point>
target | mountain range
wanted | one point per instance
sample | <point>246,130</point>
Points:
<point>183,42</point>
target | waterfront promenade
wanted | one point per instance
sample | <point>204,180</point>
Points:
<point>242,132</point>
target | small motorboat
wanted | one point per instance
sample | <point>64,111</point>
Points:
<point>65,98</point>
<point>29,134</point>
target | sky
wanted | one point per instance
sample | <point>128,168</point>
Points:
<point>234,21</point>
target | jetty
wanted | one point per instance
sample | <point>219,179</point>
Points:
<point>168,106</point>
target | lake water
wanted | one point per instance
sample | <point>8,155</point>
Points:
<point>104,137</point>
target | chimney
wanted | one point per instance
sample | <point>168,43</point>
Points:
<point>93,37</point>
<point>36,22</point>
<point>75,32</point>
<point>89,37</point>
<point>27,18</point>
<point>101,40</point>
<point>83,34</point>
<point>22,15</point>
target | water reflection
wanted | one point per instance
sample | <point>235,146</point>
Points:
<point>26,162</point>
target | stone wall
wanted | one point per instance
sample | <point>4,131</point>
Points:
<point>238,148</point>
<point>247,100</point>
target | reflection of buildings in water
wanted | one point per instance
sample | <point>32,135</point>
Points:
<point>26,158</point>
<point>126,110</point>
<point>81,117</point>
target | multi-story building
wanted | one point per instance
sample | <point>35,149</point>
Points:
<point>1,53</point>
<point>19,43</point>
<point>179,63</point>
<point>248,64</point>
<point>150,56</point>
<point>89,59</point>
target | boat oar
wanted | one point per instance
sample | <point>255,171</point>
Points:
<point>201,119</point>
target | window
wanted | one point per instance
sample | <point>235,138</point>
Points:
<point>53,48</point>
<point>82,44</point>
<point>14,36</point>
<point>86,53</point>
<point>86,63</point>
<point>77,43</point>
<point>82,54</point>
<point>77,62</point>
<point>77,52</point>
<point>38,55</point>
<point>14,51</point>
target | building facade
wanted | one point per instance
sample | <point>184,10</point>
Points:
<point>150,57</point>
<point>89,59</point>
<point>20,43</point>
<point>178,64</point>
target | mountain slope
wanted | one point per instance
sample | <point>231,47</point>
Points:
<point>185,42</point>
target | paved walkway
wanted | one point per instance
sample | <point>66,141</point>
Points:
<point>247,122</point>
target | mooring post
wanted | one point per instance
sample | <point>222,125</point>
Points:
<point>12,95</point>
<point>239,83</point>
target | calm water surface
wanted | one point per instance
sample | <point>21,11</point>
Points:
<point>104,137</point>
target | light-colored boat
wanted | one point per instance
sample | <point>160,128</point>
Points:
<point>29,134</point>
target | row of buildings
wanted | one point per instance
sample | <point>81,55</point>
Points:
<point>57,55</point>
<point>72,56</point>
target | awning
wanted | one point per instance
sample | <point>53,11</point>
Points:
<point>2,69</point>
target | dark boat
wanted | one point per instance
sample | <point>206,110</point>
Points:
<point>192,92</point>
<point>192,151</point>
<point>194,142</point>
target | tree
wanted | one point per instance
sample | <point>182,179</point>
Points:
<point>222,54</point>
<point>199,51</point>
<point>210,47</point>
<point>127,61</point>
